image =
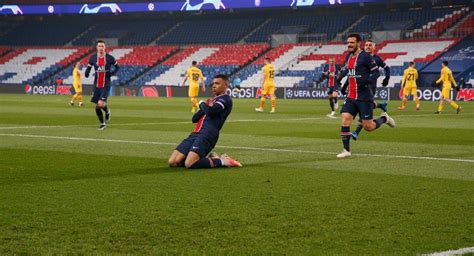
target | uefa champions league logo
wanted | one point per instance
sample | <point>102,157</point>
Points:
<point>383,94</point>
<point>113,7</point>
<point>15,9</point>
<point>289,93</point>
<point>188,7</point>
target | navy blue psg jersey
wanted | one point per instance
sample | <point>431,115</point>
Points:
<point>331,72</point>
<point>380,63</point>
<point>212,115</point>
<point>102,67</point>
<point>361,71</point>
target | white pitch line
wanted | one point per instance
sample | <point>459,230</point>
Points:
<point>158,123</point>
<point>452,252</point>
<point>238,147</point>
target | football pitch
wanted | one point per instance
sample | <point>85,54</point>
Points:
<point>67,188</point>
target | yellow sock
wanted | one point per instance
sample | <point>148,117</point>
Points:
<point>454,105</point>
<point>440,107</point>
<point>80,98</point>
<point>404,102</point>
<point>262,102</point>
<point>417,100</point>
<point>274,102</point>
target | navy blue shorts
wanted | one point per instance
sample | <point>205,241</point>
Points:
<point>100,94</point>
<point>196,143</point>
<point>335,88</point>
<point>354,107</point>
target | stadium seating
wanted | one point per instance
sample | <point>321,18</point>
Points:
<point>34,64</point>
<point>210,31</point>
<point>281,56</point>
<point>314,24</point>
<point>132,62</point>
<point>128,33</point>
<point>47,33</point>
<point>211,60</point>
<point>301,65</point>
<point>415,18</point>
<point>437,27</point>
<point>466,27</point>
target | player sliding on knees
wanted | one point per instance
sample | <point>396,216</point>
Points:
<point>102,63</point>
<point>361,70</point>
<point>194,151</point>
<point>331,72</point>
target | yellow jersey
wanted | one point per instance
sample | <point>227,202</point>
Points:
<point>410,75</point>
<point>447,78</point>
<point>194,74</point>
<point>269,74</point>
<point>76,76</point>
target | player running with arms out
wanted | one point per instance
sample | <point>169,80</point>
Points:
<point>410,75</point>
<point>268,85</point>
<point>195,78</point>
<point>448,80</point>
<point>361,71</point>
<point>102,63</point>
<point>331,72</point>
<point>369,47</point>
<point>193,152</point>
<point>77,84</point>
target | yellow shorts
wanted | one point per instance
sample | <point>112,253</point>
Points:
<point>193,91</point>
<point>445,92</point>
<point>268,89</point>
<point>409,90</point>
<point>77,89</point>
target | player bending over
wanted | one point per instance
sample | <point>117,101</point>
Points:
<point>194,150</point>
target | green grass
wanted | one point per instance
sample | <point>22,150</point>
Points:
<point>68,188</point>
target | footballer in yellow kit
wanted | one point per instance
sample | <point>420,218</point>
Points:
<point>195,78</point>
<point>448,80</point>
<point>77,84</point>
<point>268,85</point>
<point>410,75</point>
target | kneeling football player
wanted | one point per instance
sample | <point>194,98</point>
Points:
<point>193,152</point>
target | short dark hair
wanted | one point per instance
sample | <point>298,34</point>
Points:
<point>194,63</point>
<point>223,77</point>
<point>445,62</point>
<point>411,63</point>
<point>370,40</point>
<point>357,36</point>
<point>99,41</point>
<point>267,59</point>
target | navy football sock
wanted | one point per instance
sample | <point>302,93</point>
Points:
<point>206,162</point>
<point>359,127</point>
<point>99,115</point>
<point>346,137</point>
<point>106,109</point>
<point>379,121</point>
<point>331,103</point>
<point>335,100</point>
